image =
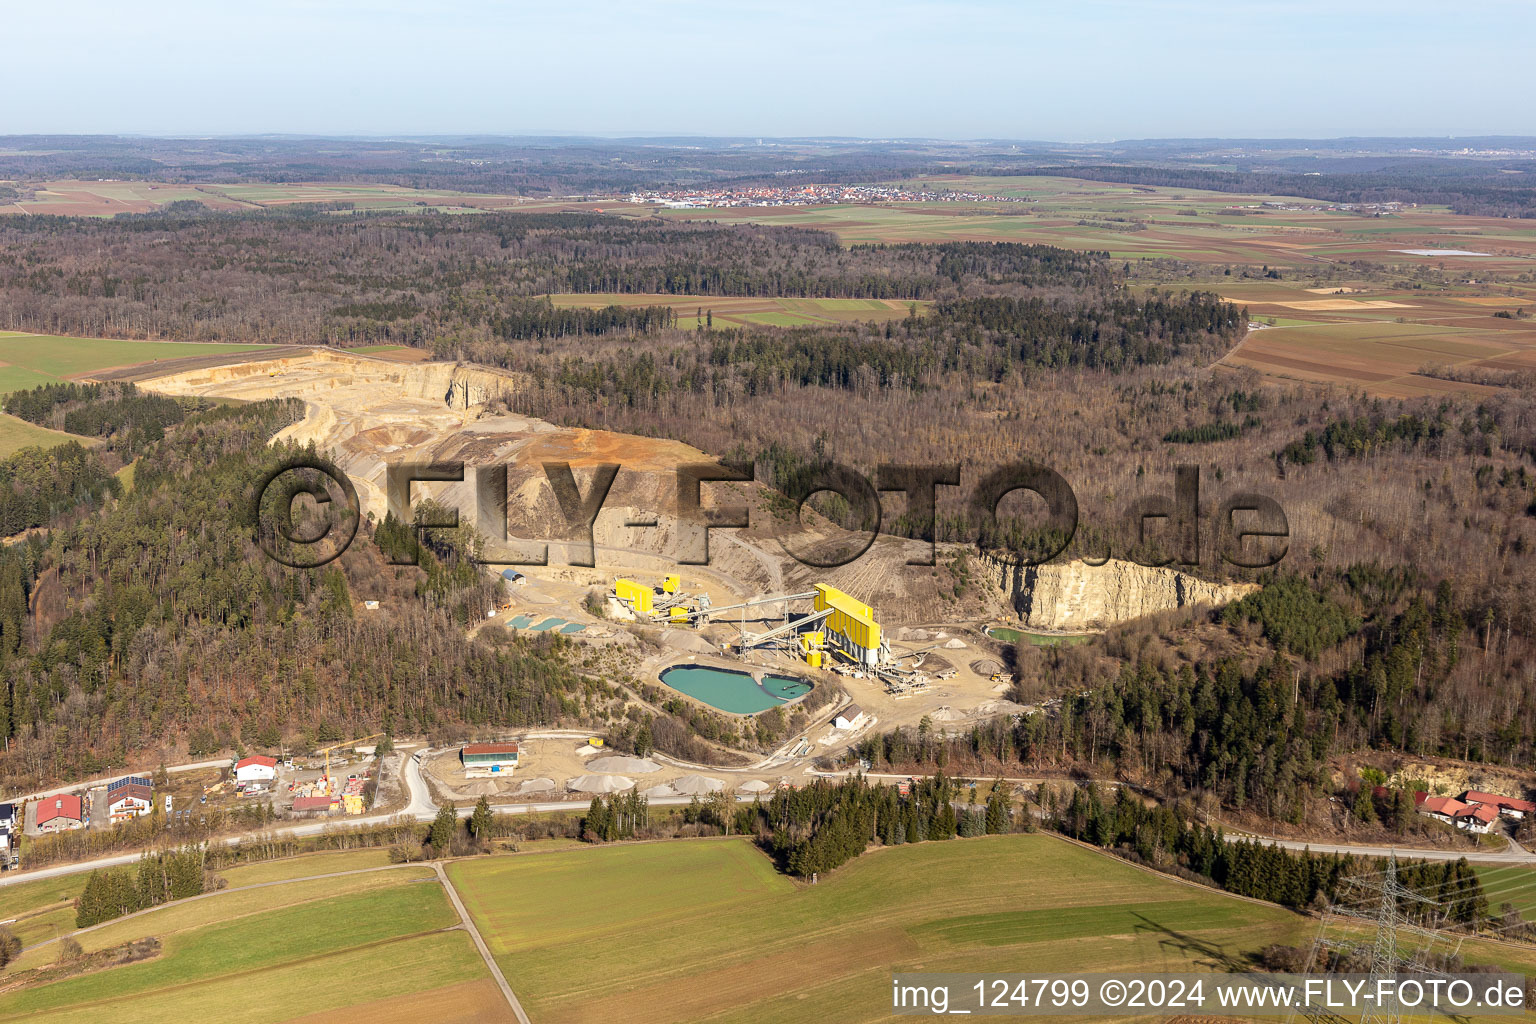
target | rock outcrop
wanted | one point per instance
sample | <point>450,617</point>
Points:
<point>1076,596</point>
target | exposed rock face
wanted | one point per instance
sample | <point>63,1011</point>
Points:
<point>322,372</point>
<point>1076,595</point>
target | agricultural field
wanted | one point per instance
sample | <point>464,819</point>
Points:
<point>110,198</point>
<point>376,946</point>
<point>710,930</point>
<point>1136,222</point>
<point>1383,340</point>
<point>27,360</point>
<point>726,311</point>
<point>31,360</point>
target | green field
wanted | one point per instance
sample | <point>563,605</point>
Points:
<point>1013,636</point>
<point>1513,885</point>
<point>16,434</point>
<point>709,929</point>
<point>33,359</point>
<point>41,910</point>
<point>268,954</point>
<point>738,311</point>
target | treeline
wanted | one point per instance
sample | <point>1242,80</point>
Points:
<point>540,318</point>
<point>1113,333</point>
<point>423,280</point>
<point>129,418</point>
<point>1261,735</point>
<point>1167,836</point>
<point>1359,436</point>
<point>824,825</point>
<point>161,876</point>
<point>1294,615</point>
<point>1471,188</point>
<point>972,339</point>
<point>1210,433</point>
<point>38,485</point>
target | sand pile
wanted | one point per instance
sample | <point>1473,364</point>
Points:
<point>755,786</point>
<point>661,790</point>
<point>954,643</point>
<point>946,714</point>
<point>986,666</point>
<point>530,786</point>
<point>683,640</point>
<point>988,708</point>
<point>910,633</point>
<point>620,763</point>
<point>485,787</point>
<point>599,784</point>
<point>697,785</point>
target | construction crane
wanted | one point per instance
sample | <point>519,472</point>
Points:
<point>344,743</point>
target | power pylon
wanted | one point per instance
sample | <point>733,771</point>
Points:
<point>1380,900</point>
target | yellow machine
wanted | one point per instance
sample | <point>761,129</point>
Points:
<point>678,614</point>
<point>637,595</point>
<point>811,646</point>
<point>851,628</point>
<point>671,584</point>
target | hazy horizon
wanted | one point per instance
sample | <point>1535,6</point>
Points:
<point>1104,70</point>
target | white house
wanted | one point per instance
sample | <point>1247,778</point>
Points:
<point>129,797</point>
<point>256,768</point>
<point>851,717</point>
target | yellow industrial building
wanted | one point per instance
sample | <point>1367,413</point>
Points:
<point>851,627</point>
<point>637,595</point>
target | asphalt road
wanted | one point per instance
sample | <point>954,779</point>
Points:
<point>419,807</point>
<point>1511,854</point>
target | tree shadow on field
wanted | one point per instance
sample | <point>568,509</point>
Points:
<point>1208,954</point>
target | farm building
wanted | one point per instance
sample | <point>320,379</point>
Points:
<point>129,797</point>
<point>514,577</point>
<point>312,804</point>
<point>59,813</point>
<point>1469,817</point>
<point>256,768</point>
<point>7,825</point>
<point>1506,805</point>
<point>851,717</point>
<point>489,758</point>
<point>1478,819</point>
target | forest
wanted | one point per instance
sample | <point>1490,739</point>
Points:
<point>1369,638</point>
<point>155,622</point>
<point>1170,838</point>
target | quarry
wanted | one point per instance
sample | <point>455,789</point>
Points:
<point>753,630</point>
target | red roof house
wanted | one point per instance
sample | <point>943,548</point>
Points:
<point>1502,803</point>
<point>56,813</point>
<point>1477,819</point>
<point>1447,807</point>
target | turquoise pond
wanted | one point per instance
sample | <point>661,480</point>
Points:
<point>733,691</point>
<point>559,625</point>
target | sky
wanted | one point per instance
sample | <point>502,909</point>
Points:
<point>1079,70</point>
